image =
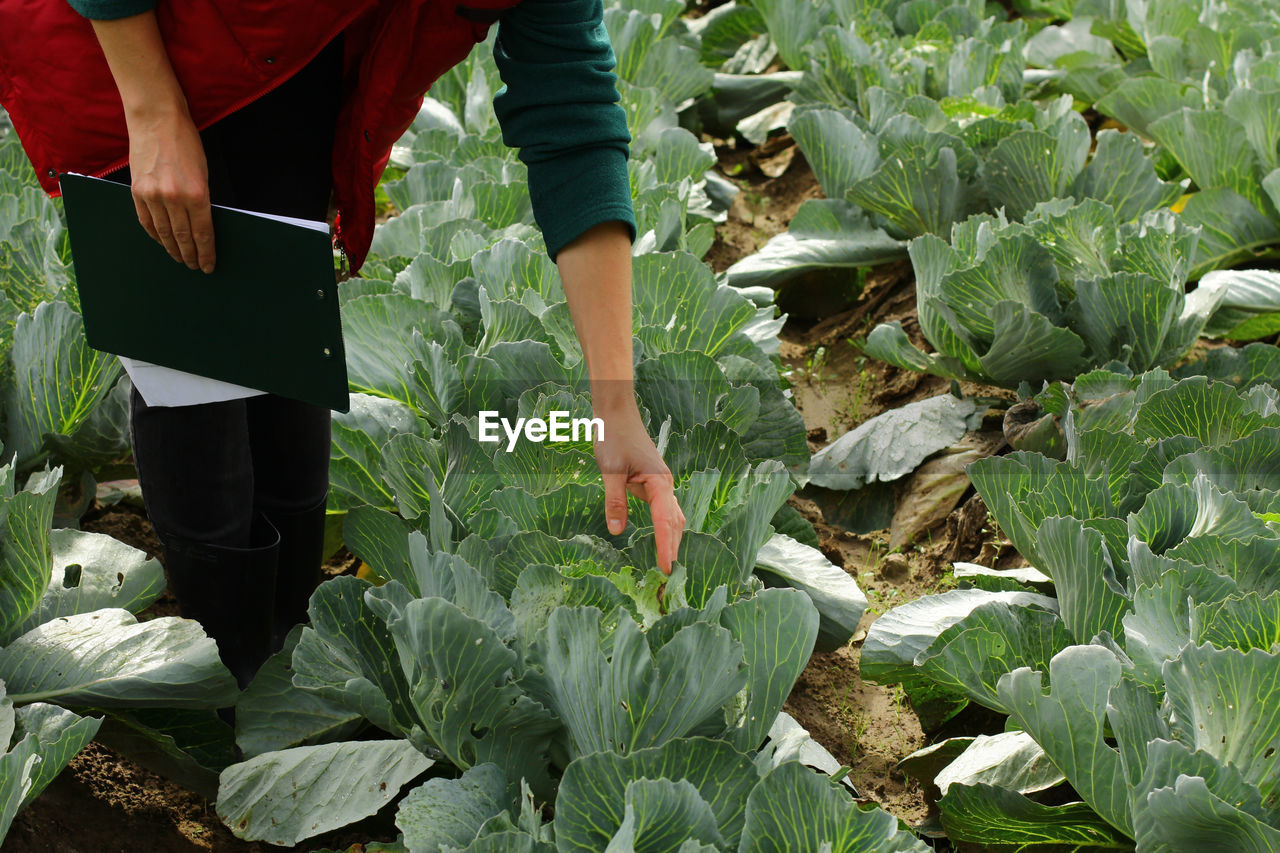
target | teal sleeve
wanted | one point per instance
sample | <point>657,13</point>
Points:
<point>559,106</point>
<point>107,10</point>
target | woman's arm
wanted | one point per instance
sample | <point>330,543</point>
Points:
<point>166,158</point>
<point>595,269</point>
<point>560,108</point>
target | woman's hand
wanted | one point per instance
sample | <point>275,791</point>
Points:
<point>166,158</point>
<point>596,272</point>
<point>629,462</point>
<point>171,186</point>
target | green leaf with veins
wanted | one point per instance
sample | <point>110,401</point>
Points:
<point>1219,704</point>
<point>794,808</point>
<point>1026,346</point>
<point>1126,317</point>
<point>1069,724</point>
<point>1258,113</point>
<point>348,657</point>
<point>273,714</point>
<point>288,796</point>
<point>58,734</point>
<point>1187,813</point>
<point>359,436</point>
<point>450,812</point>
<point>1211,412</point>
<point>1082,238</point>
<point>1014,269</point>
<point>970,656</point>
<point>1214,150</point>
<point>613,693</point>
<point>377,333</point>
<point>840,152</point>
<point>673,289</point>
<point>1175,512</point>
<point>916,188</point>
<point>777,629</point>
<point>1232,229</point>
<point>1140,101</point>
<point>1090,596</point>
<point>1122,175</point>
<point>933,260</point>
<point>1011,760</point>
<point>461,680</point>
<point>826,239</point>
<point>58,380</point>
<point>660,813</point>
<point>903,634</point>
<point>1031,166</point>
<point>108,659</point>
<point>993,816</point>
<point>591,804</point>
<point>25,563</point>
<point>1251,621</point>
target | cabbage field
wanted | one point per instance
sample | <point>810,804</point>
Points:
<point>957,324</point>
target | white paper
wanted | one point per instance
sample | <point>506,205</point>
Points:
<point>164,386</point>
<point>313,224</point>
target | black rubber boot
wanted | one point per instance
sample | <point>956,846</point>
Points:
<point>299,570</point>
<point>230,592</point>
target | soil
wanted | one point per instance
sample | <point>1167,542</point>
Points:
<point>764,204</point>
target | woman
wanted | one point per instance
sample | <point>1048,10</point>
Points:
<point>274,105</point>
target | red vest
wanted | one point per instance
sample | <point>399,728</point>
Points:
<point>62,100</point>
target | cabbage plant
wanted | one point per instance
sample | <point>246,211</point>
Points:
<point>523,663</point>
<point>954,53</point>
<point>1071,288</point>
<point>35,259</point>
<point>912,168</point>
<point>914,118</point>
<point>71,647</point>
<point>1152,536</point>
<point>657,727</point>
<point>1207,93</point>
<point>793,27</point>
<point>61,401</point>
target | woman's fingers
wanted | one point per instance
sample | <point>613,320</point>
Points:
<point>171,188</point>
<point>658,490</point>
<point>183,235</point>
<point>184,228</point>
<point>615,501</point>
<point>180,222</point>
<point>144,218</point>
<point>202,234</point>
<point>630,463</point>
<point>668,520</point>
<point>163,229</point>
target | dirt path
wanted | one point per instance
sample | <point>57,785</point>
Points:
<point>867,726</point>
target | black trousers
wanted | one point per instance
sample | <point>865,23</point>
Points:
<point>206,470</point>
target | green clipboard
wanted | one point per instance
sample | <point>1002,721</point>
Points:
<point>266,317</point>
